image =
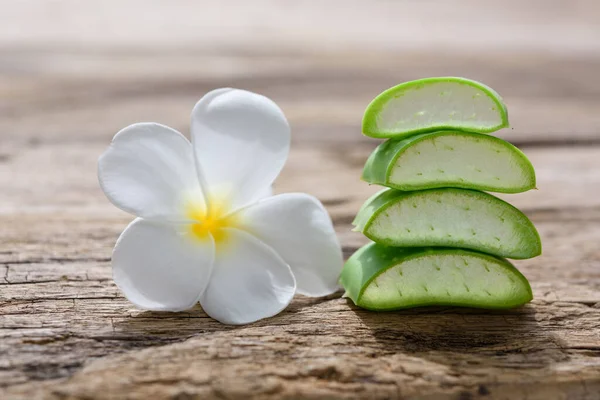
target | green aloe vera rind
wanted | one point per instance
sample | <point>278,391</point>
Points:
<point>450,159</point>
<point>382,278</point>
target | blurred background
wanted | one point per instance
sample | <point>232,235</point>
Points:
<point>72,73</point>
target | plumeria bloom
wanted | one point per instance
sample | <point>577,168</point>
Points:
<point>208,229</point>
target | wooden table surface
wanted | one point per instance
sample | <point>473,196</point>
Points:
<point>73,73</point>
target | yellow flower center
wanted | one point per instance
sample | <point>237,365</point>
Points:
<point>213,222</point>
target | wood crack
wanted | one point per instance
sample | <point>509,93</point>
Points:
<point>60,260</point>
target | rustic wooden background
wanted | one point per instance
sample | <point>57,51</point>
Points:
<point>72,73</point>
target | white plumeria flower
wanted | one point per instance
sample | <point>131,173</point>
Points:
<point>208,229</point>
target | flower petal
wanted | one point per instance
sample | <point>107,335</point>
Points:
<point>160,266</point>
<point>241,141</point>
<point>249,281</point>
<point>299,229</point>
<point>148,171</point>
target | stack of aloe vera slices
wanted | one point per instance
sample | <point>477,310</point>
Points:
<point>438,237</point>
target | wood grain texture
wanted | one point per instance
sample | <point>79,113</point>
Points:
<point>74,73</point>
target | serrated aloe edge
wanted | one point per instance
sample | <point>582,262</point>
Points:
<point>384,278</point>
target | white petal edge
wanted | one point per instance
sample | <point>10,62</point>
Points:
<point>241,141</point>
<point>249,281</point>
<point>148,171</point>
<point>162,267</point>
<point>299,229</point>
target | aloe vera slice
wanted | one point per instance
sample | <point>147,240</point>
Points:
<point>448,217</point>
<point>433,104</point>
<point>387,278</point>
<point>450,159</point>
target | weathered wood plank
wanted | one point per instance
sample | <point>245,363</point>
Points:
<point>340,349</point>
<point>324,98</point>
<point>61,310</point>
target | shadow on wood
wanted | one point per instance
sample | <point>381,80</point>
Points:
<point>471,332</point>
<point>164,327</point>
